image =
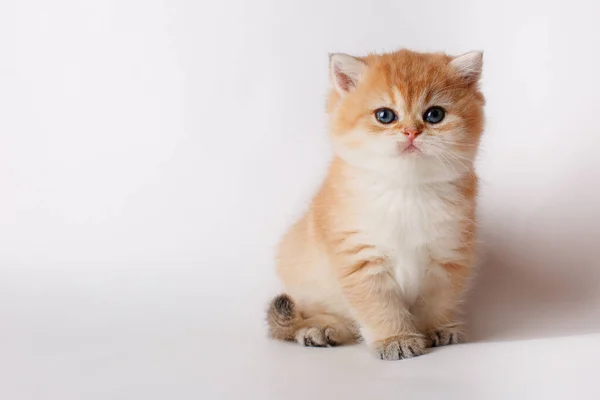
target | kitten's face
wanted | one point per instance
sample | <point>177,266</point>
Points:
<point>406,108</point>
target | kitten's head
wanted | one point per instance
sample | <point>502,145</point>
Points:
<point>407,109</point>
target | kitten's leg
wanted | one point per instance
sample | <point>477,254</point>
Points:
<point>376,301</point>
<point>438,311</point>
<point>312,327</point>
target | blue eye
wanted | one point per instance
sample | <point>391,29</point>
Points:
<point>385,115</point>
<point>434,115</point>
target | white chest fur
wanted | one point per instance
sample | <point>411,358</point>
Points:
<point>411,225</point>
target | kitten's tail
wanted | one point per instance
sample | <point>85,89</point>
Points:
<point>283,318</point>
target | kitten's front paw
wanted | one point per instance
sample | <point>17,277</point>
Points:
<point>446,335</point>
<point>400,347</point>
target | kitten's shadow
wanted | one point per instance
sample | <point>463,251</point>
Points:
<point>543,282</point>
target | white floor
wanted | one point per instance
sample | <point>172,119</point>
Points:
<point>152,335</point>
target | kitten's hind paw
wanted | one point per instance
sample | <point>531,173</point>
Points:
<point>316,336</point>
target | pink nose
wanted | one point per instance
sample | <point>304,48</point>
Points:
<point>412,133</point>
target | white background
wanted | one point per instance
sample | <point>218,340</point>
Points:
<point>152,152</point>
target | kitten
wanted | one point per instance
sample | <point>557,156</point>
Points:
<point>386,250</point>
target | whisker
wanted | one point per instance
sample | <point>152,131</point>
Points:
<point>450,163</point>
<point>441,161</point>
<point>455,154</point>
<point>456,143</point>
<point>445,159</point>
<point>452,156</point>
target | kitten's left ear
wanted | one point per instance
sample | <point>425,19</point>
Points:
<point>345,71</point>
<point>468,65</point>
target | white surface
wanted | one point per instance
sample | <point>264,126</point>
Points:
<point>151,153</point>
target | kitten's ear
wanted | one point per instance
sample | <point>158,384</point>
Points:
<point>469,65</point>
<point>345,71</point>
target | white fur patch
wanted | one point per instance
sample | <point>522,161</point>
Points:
<point>409,224</point>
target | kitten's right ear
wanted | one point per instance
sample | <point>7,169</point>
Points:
<point>345,72</point>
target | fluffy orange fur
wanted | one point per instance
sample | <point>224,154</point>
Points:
<point>387,248</point>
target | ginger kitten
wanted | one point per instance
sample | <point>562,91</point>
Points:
<point>387,247</point>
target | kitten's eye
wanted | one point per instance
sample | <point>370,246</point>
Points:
<point>434,115</point>
<point>385,115</point>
